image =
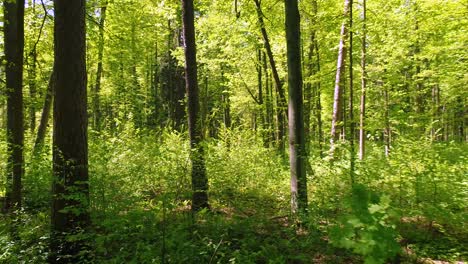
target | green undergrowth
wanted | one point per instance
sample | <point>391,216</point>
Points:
<point>403,208</point>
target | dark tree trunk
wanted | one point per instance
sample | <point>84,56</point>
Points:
<point>199,178</point>
<point>281,98</point>
<point>13,30</point>
<point>337,117</point>
<point>70,187</point>
<point>97,115</point>
<point>42,129</point>
<point>298,155</point>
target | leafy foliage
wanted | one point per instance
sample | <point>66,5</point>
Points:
<point>368,229</point>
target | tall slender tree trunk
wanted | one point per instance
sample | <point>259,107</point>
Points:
<point>42,129</point>
<point>13,30</point>
<point>362,115</point>
<point>225,98</point>
<point>199,178</point>
<point>268,102</point>
<point>312,93</point>
<point>154,119</point>
<point>351,94</point>
<point>297,146</point>
<point>32,89</point>
<point>97,114</point>
<point>387,130</point>
<point>337,116</point>
<point>435,124</point>
<point>70,186</point>
<point>281,98</point>
<point>318,102</point>
<point>261,99</point>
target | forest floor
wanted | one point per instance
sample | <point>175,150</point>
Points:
<point>409,208</point>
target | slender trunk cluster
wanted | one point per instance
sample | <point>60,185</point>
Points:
<point>281,98</point>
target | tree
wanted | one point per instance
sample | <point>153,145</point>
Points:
<point>362,115</point>
<point>97,115</point>
<point>297,146</point>
<point>199,178</point>
<point>43,123</point>
<point>351,93</point>
<point>339,83</point>
<point>13,30</point>
<point>312,90</point>
<point>281,98</point>
<point>70,189</point>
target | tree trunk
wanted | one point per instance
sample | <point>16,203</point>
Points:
<point>155,101</point>
<point>261,99</point>
<point>362,115</point>
<point>387,131</point>
<point>13,30</point>
<point>318,103</point>
<point>225,98</point>
<point>32,89</point>
<point>97,115</point>
<point>70,186</point>
<point>337,117</point>
<point>41,131</point>
<point>351,94</point>
<point>281,99</point>
<point>199,178</point>
<point>297,148</point>
<point>435,124</point>
<point>268,102</point>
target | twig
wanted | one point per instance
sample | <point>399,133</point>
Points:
<point>216,250</point>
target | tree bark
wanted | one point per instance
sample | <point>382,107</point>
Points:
<point>199,178</point>
<point>70,187</point>
<point>13,30</point>
<point>337,117</point>
<point>297,148</point>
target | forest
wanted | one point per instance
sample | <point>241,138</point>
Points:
<point>233,131</point>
